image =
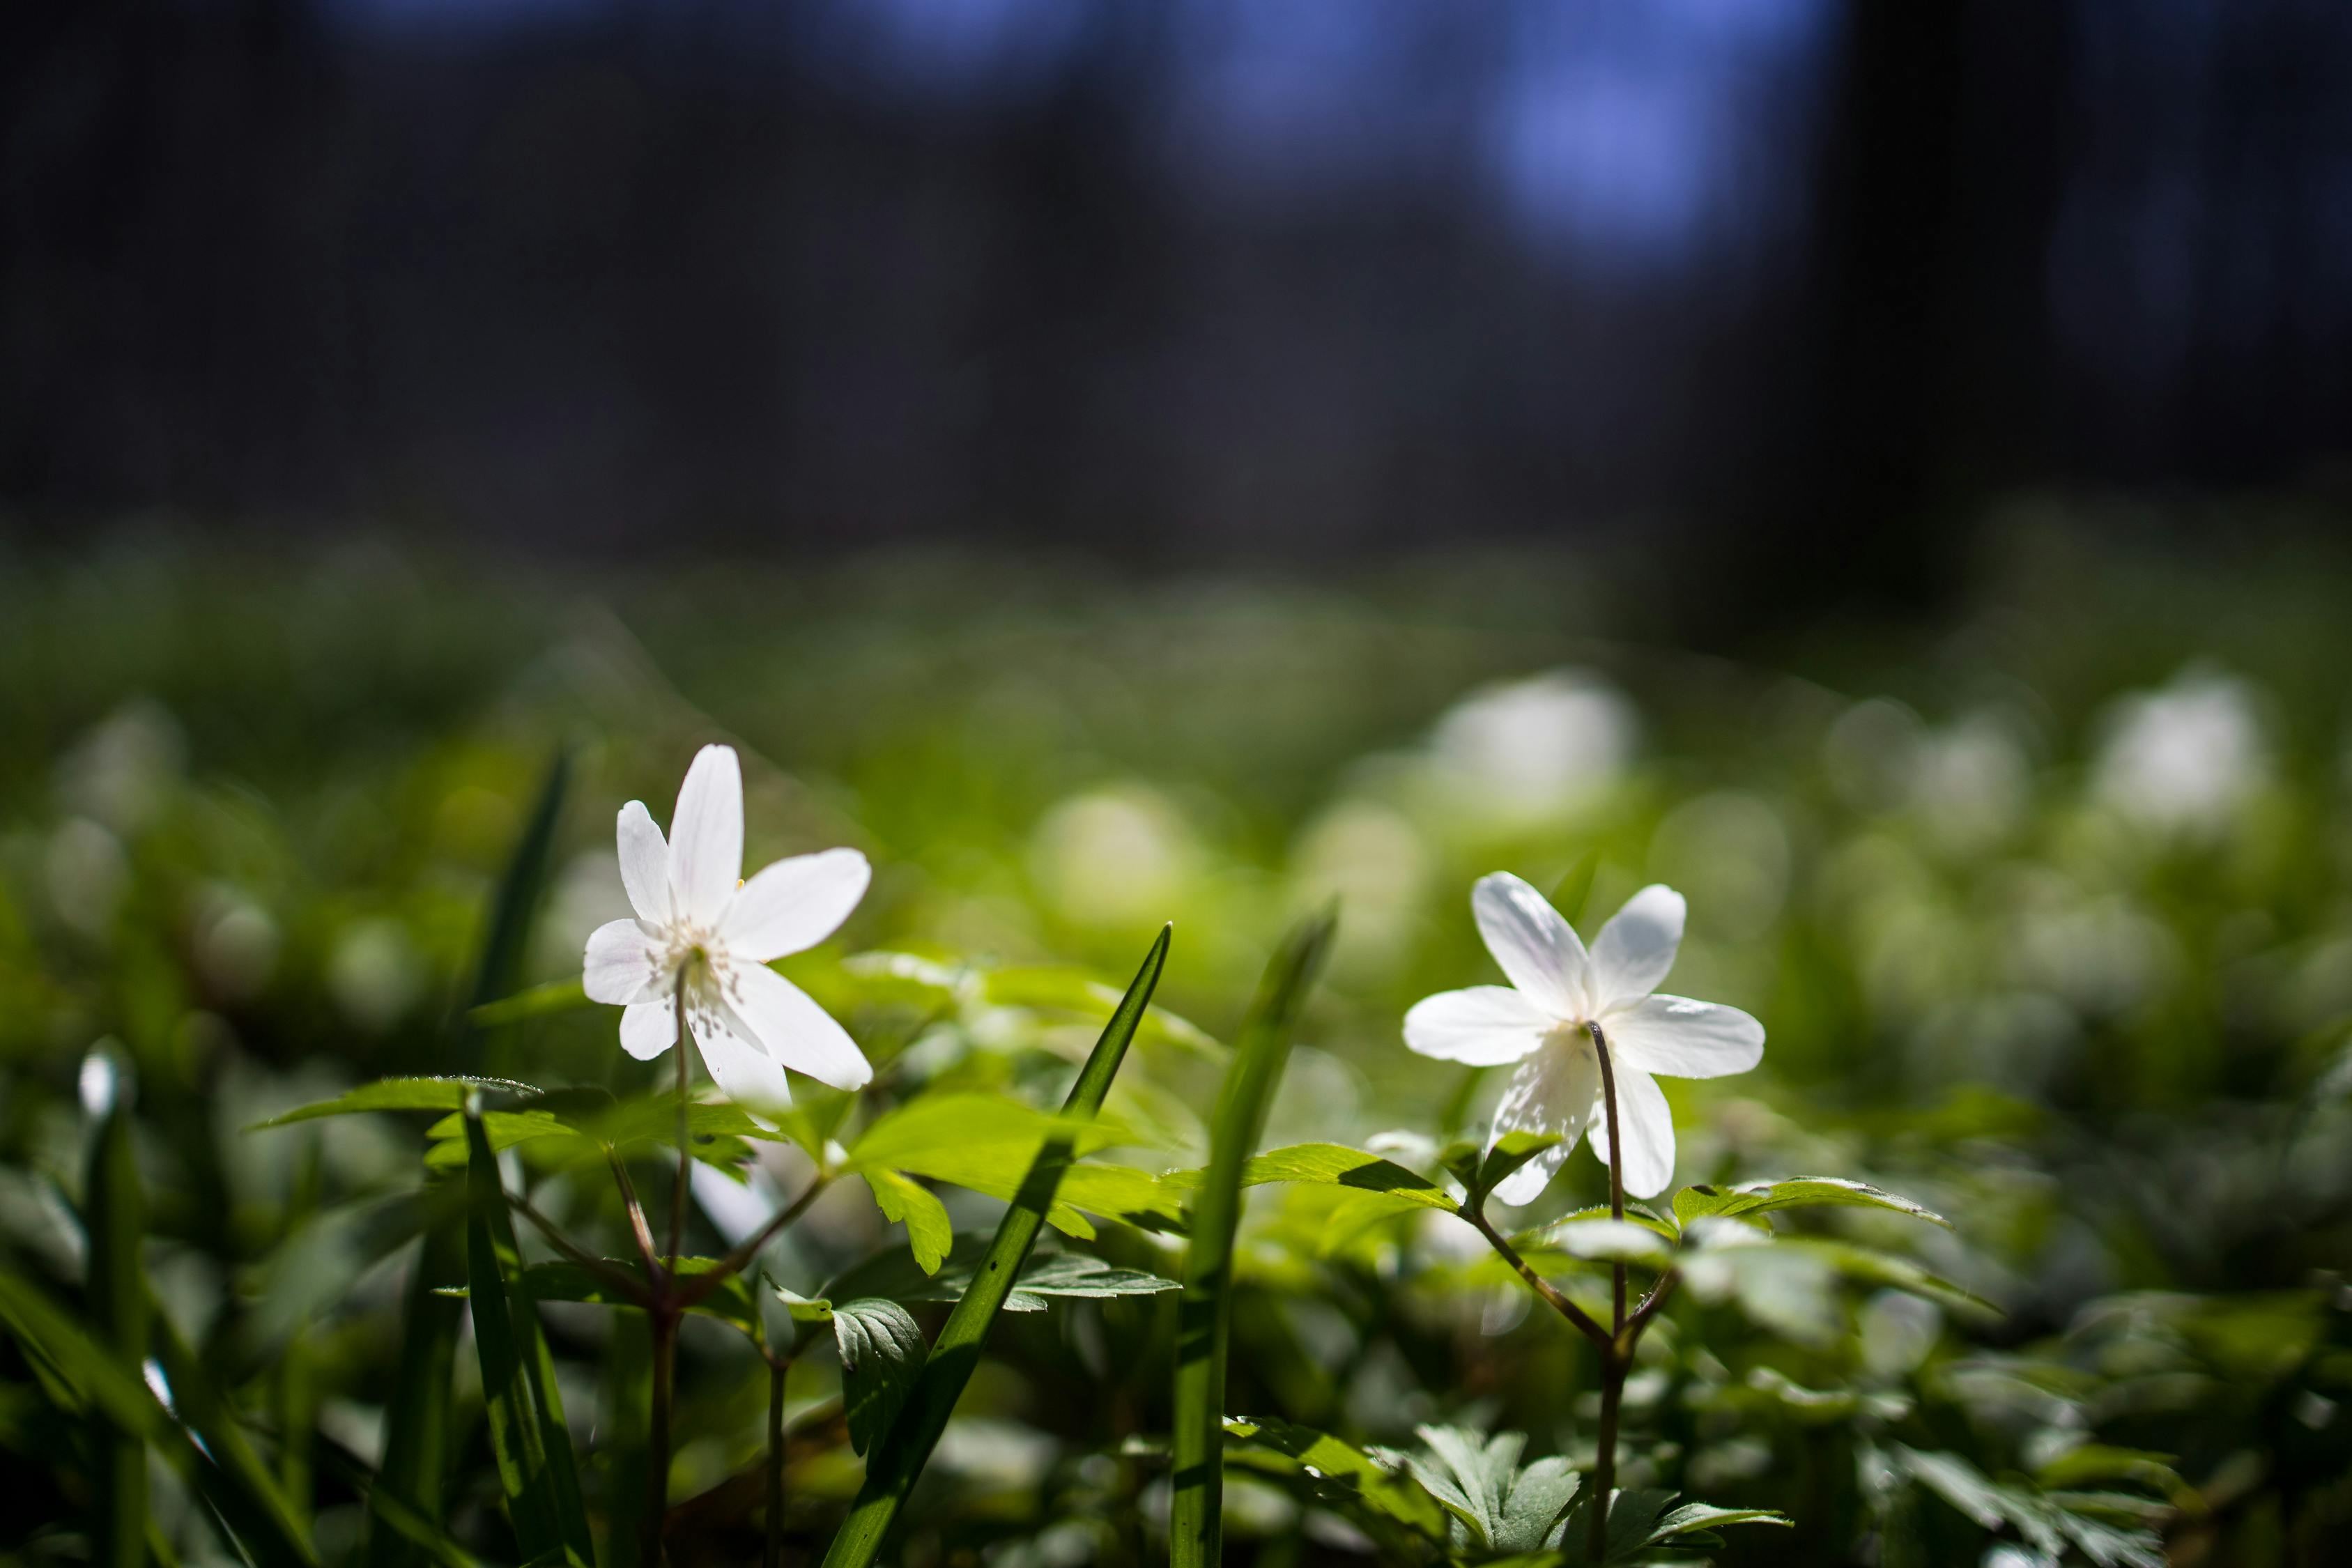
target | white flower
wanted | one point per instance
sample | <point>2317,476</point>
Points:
<point>1540,1022</point>
<point>700,929</point>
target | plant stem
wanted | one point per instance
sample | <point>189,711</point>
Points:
<point>1618,1354</point>
<point>1551,1295</point>
<point>735,1262</point>
<point>777,1367</point>
<point>664,1320</point>
<point>685,1148</point>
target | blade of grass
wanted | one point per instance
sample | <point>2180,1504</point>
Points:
<point>417,1417</point>
<point>247,1496</point>
<point>1204,1312</point>
<point>528,1437</point>
<point>116,1216</point>
<point>900,1455</point>
<point>238,1495</point>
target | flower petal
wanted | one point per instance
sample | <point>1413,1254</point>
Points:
<point>1636,948</point>
<point>644,864</point>
<point>1485,1026</point>
<point>794,905</point>
<point>1537,950</point>
<point>1643,1116</point>
<point>621,965</point>
<point>745,1072</point>
<point>706,849</point>
<point>648,1028</point>
<point>1683,1039</point>
<point>1552,1091</point>
<point>796,1031</point>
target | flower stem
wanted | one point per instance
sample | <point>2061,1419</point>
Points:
<point>664,1319</point>
<point>777,1367</point>
<point>1618,1354</point>
<point>685,1152</point>
<point>1550,1294</point>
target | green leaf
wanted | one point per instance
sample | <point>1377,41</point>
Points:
<point>1635,1213</point>
<point>117,1303</point>
<point>1697,1516</point>
<point>1872,1267</point>
<point>1798,1191</point>
<point>1480,1481</point>
<point>528,1437</point>
<point>907,1202</point>
<point>1633,1515</point>
<point>1606,1240</point>
<point>899,1457</point>
<point>1338,1474</point>
<point>896,1277</point>
<point>539,1001</point>
<point>561,1280</point>
<point>1204,1317</point>
<point>1329,1165</point>
<point>978,1131</point>
<point>881,1356</point>
<point>418,1415</point>
<point>443,1094</point>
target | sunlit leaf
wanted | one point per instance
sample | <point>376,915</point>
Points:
<point>1798,1191</point>
<point>442,1094</point>
<point>1338,1475</point>
<point>905,1201</point>
<point>881,1354</point>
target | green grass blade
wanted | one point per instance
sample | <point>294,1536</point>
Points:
<point>239,1485</point>
<point>527,1435</point>
<point>237,1489</point>
<point>1205,1314</point>
<point>417,1417</point>
<point>115,1218</point>
<point>899,1457</point>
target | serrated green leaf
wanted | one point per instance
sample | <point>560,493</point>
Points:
<point>1340,1474</point>
<point>1633,1514</point>
<point>1635,1213</point>
<point>1606,1240</point>
<point>1797,1191</point>
<point>881,1354</point>
<point>905,1201</point>
<point>442,1094</point>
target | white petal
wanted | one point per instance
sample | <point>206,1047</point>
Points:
<point>1636,948</point>
<point>1649,1128</point>
<point>796,1031</point>
<point>1485,1026</point>
<point>648,1028</point>
<point>621,965</point>
<point>644,864</point>
<point>794,905</point>
<point>1537,948</point>
<point>745,1072</point>
<point>706,849</point>
<point>1683,1039</point>
<point>1552,1091</point>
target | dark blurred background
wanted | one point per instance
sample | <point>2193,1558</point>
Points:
<point>1795,285</point>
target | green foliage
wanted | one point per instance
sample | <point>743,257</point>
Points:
<point>882,1351</point>
<point>1195,1522</point>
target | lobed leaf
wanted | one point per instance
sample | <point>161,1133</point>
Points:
<point>1328,1164</point>
<point>1339,1474</point>
<point>905,1201</point>
<point>437,1093</point>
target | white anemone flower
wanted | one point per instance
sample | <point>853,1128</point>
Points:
<point>1541,1021</point>
<point>701,932</point>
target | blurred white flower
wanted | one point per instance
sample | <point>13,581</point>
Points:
<point>1534,746</point>
<point>701,930</point>
<point>1540,1022</point>
<point>1973,781</point>
<point>2183,757</point>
